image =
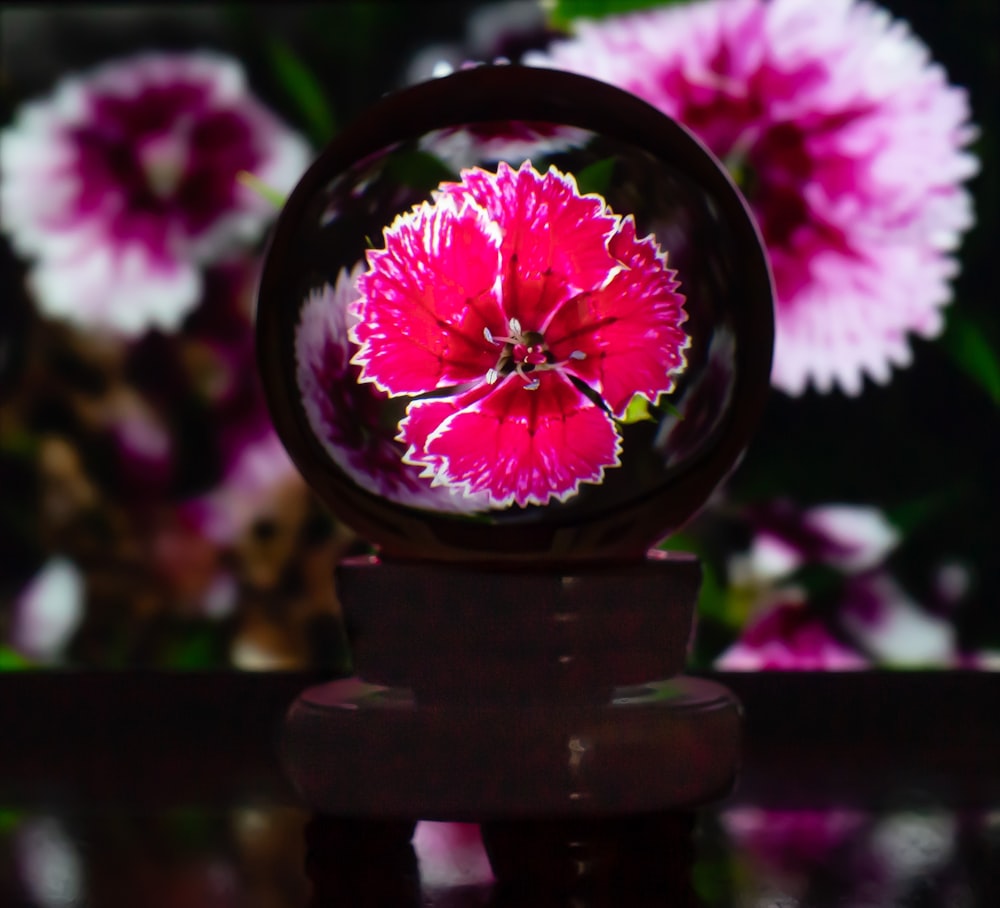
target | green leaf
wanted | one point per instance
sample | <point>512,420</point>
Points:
<point>419,170</point>
<point>268,193</point>
<point>917,513</point>
<point>637,410</point>
<point>561,13</point>
<point>668,405</point>
<point>969,348</point>
<point>9,819</point>
<point>197,647</point>
<point>640,409</point>
<point>596,177</point>
<point>303,88</point>
<point>190,829</point>
<point>13,661</point>
<point>711,879</point>
<point>713,598</point>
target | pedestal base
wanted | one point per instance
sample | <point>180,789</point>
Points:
<point>362,750</point>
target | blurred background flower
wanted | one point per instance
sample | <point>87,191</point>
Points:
<point>148,514</point>
<point>889,857</point>
<point>848,143</point>
<point>123,183</point>
<point>814,592</point>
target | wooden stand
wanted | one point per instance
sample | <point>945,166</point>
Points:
<point>494,696</point>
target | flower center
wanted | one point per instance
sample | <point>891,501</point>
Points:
<point>523,352</point>
<point>163,160</point>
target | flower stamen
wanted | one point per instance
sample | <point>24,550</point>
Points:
<point>523,352</point>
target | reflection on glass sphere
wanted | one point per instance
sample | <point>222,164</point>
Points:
<point>515,314</point>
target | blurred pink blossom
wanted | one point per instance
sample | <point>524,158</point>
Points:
<point>789,637</point>
<point>123,183</point>
<point>896,631</point>
<point>251,485</point>
<point>848,143</point>
<point>451,854</point>
<point>348,417</point>
<point>791,841</point>
<point>849,537</point>
<point>868,618</point>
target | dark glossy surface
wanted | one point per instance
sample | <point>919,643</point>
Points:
<point>676,190</point>
<point>119,791</point>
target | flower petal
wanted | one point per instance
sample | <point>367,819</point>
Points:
<point>789,637</point>
<point>122,289</point>
<point>353,421</point>
<point>518,445</point>
<point>554,239</point>
<point>630,331</point>
<point>849,144</point>
<point>426,298</point>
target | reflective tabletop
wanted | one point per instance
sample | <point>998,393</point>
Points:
<point>167,790</point>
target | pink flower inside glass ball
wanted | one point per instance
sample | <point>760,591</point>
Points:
<point>521,317</point>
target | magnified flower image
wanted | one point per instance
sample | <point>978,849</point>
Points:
<point>123,183</point>
<point>501,140</point>
<point>847,141</point>
<point>524,317</point>
<point>351,420</point>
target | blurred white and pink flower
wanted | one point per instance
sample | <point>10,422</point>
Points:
<point>251,486</point>
<point>123,184</point>
<point>788,637</point>
<point>851,538</point>
<point>859,617</point>
<point>849,144</point>
<point>894,629</point>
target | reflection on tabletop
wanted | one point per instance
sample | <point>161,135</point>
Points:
<point>737,855</point>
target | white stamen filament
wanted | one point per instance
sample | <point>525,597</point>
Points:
<point>517,337</point>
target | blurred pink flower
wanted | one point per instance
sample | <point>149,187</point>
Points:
<point>886,623</point>
<point>789,637</point>
<point>867,615</point>
<point>252,483</point>
<point>348,417</point>
<point>123,183</point>
<point>848,143</point>
<point>451,854</point>
<point>793,841</point>
<point>852,538</point>
<point>510,292</point>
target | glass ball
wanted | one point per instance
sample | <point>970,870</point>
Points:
<point>516,315</point>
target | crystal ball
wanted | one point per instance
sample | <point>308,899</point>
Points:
<point>515,315</point>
